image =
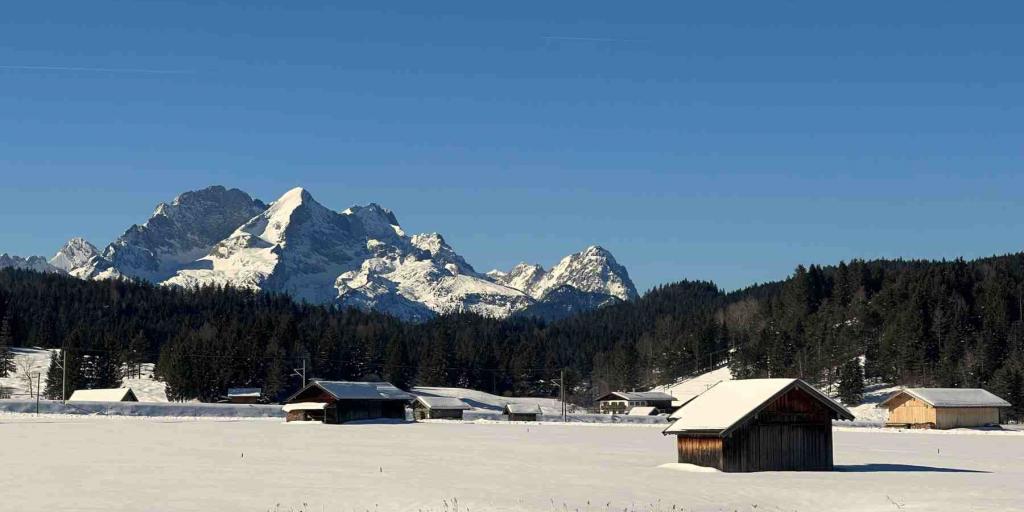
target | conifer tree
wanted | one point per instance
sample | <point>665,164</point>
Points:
<point>851,383</point>
<point>6,342</point>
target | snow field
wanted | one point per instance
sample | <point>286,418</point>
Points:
<point>267,465</point>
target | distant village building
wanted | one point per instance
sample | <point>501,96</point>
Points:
<point>103,395</point>
<point>643,411</point>
<point>245,395</point>
<point>620,402</point>
<point>521,412</point>
<point>438,407</point>
<point>758,425</point>
<point>943,408</point>
<point>342,401</point>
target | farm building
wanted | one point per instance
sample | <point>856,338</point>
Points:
<point>244,395</point>
<point>341,401</point>
<point>438,407</point>
<point>620,402</point>
<point>943,408</point>
<point>103,395</point>
<point>758,425</point>
<point>521,412</point>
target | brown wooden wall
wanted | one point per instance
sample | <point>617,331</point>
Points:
<point>905,409</point>
<point>702,451</point>
<point>958,417</point>
<point>354,410</point>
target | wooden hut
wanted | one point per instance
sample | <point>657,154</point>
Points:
<point>103,395</point>
<point>758,425</point>
<point>521,412</point>
<point>438,407</point>
<point>244,395</point>
<point>643,411</point>
<point>620,402</point>
<point>341,401</point>
<point>943,408</point>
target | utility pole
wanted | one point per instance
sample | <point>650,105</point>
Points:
<point>37,392</point>
<point>561,390</point>
<point>297,371</point>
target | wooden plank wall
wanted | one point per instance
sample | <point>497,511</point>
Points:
<point>702,451</point>
<point>909,410</point>
<point>956,417</point>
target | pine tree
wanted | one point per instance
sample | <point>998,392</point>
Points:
<point>851,383</point>
<point>6,341</point>
<point>276,375</point>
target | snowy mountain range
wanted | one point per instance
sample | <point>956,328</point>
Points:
<point>357,257</point>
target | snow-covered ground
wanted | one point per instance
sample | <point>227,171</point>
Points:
<point>689,388</point>
<point>29,362</point>
<point>170,465</point>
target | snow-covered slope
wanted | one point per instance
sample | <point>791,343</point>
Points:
<point>358,257</point>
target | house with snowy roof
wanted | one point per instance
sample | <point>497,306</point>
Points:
<point>620,402</point>
<point>438,407</point>
<point>343,401</point>
<point>943,408</point>
<point>244,395</point>
<point>521,412</point>
<point>758,425</point>
<point>103,395</point>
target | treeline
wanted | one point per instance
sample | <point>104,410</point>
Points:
<point>954,323</point>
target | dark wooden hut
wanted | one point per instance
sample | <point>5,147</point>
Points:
<point>758,425</point>
<point>341,401</point>
<point>438,407</point>
<point>620,402</point>
<point>244,395</point>
<point>521,412</point>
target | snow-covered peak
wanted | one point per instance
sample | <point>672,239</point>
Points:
<point>75,253</point>
<point>377,221</point>
<point>592,270</point>
<point>37,263</point>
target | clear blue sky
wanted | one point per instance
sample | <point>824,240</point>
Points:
<point>727,142</point>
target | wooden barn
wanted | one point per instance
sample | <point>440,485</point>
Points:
<point>620,402</point>
<point>943,408</point>
<point>103,395</point>
<point>244,395</point>
<point>758,425</point>
<point>438,407</point>
<point>521,412</point>
<point>341,401</point>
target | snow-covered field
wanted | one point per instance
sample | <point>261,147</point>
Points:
<point>111,464</point>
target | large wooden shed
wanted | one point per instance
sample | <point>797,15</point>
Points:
<point>943,408</point>
<point>620,402</point>
<point>342,401</point>
<point>758,425</point>
<point>438,407</point>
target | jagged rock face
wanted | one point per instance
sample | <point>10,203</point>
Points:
<point>566,301</point>
<point>359,257</point>
<point>180,232</point>
<point>593,270</point>
<point>37,263</point>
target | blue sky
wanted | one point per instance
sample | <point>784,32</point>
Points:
<point>727,142</point>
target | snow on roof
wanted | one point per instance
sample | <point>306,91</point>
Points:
<point>951,397</point>
<point>522,409</point>
<point>103,395</point>
<point>725,405</point>
<point>443,402</point>
<point>305,406</point>
<point>245,392</point>
<point>345,390</point>
<point>642,411</point>
<point>638,395</point>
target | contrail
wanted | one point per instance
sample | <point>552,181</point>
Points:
<point>99,70</point>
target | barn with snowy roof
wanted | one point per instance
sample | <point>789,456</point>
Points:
<point>943,408</point>
<point>521,412</point>
<point>620,402</point>
<point>104,395</point>
<point>342,401</point>
<point>758,425</point>
<point>438,407</point>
